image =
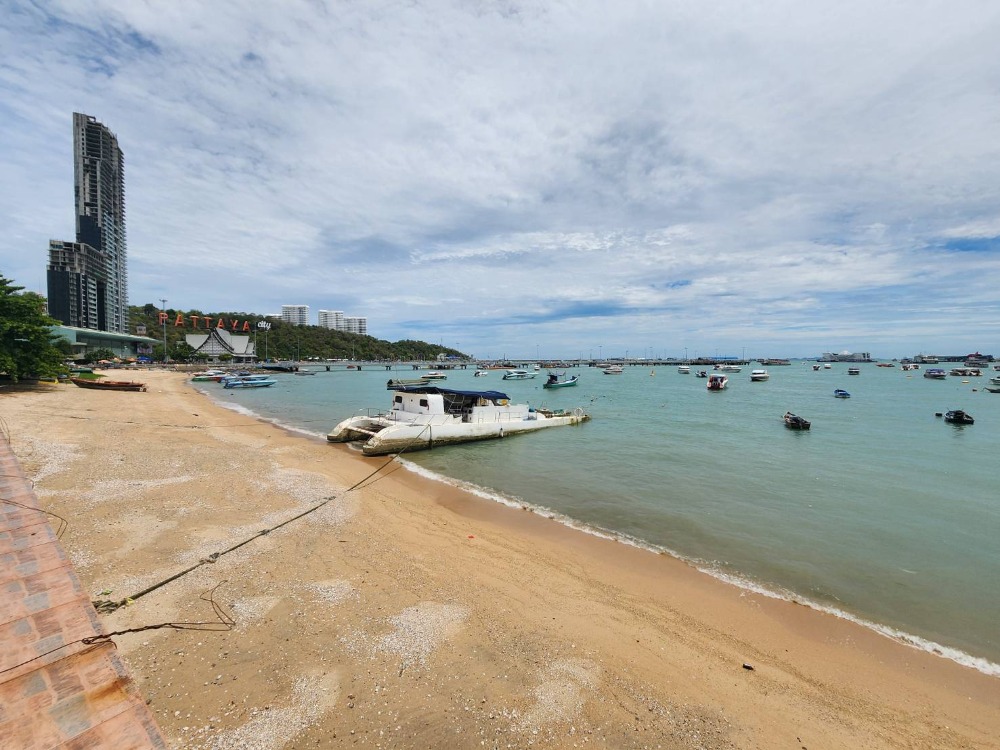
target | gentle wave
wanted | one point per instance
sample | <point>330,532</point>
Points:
<point>956,655</point>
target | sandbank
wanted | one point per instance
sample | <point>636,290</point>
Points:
<point>406,613</point>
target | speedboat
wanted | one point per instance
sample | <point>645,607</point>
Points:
<point>555,382</point>
<point>729,368</point>
<point>853,370</point>
<point>427,416</point>
<point>935,373</point>
<point>757,376</point>
<point>249,381</point>
<point>684,370</point>
<point>957,416</point>
<point>841,393</point>
<point>613,370</point>
<point>518,375</point>
<point>199,377</point>
<point>795,422</point>
<point>481,373</point>
<point>435,375</point>
<point>717,382</point>
<point>702,374</point>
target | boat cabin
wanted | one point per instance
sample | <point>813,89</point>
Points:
<point>431,400</point>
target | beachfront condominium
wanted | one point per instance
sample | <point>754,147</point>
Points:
<point>297,315</point>
<point>332,319</point>
<point>356,325</point>
<point>88,279</point>
<point>335,320</point>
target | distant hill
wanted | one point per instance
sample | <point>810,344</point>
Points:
<point>284,340</point>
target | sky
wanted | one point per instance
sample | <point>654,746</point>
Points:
<point>520,179</point>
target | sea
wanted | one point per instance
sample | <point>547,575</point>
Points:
<point>881,513</point>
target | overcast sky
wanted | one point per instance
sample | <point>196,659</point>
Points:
<point>776,178</point>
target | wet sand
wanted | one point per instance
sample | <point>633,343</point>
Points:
<point>405,613</point>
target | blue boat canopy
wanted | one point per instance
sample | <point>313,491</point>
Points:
<point>491,395</point>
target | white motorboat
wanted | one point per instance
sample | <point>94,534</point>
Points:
<point>518,375</point>
<point>249,381</point>
<point>435,375</point>
<point>428,416</point>
<point>717,382</point>
<point>482,373</point>
<point>684,370</point>
<point>613,370</point>
<point>759,375</point>
<point>729,368</point>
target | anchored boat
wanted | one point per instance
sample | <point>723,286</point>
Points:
<point>555,382</point>
<point>427,416</point>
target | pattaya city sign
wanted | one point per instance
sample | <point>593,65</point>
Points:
<point>205,321</point>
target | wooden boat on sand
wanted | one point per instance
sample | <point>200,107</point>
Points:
<point>108,385</point>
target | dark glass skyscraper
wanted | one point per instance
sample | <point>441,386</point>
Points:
<point>88,279</point>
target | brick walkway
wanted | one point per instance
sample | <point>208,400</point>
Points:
<point>55,691</point>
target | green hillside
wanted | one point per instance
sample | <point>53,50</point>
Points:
<point>282,340</point>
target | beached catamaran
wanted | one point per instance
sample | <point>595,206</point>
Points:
<point>426,416</point>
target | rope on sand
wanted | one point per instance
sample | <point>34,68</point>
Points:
<point>107,606</point>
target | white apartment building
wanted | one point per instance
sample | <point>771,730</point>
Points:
<point>337,321</point>
<point>297,315</point>
<point>356,325</point>
<point>332,319</point>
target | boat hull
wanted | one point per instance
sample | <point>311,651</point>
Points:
<point>561,384</point>
<point>383,436</point>
<point>108,385</point>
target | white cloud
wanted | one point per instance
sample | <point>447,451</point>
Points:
<point>511,175</point>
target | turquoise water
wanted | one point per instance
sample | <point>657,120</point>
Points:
<point>882,512</point>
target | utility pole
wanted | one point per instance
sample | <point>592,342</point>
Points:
<point>163,308</point>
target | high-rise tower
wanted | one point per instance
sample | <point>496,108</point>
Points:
<point>98,268</point>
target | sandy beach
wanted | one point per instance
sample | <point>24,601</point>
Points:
<point>404,613</point>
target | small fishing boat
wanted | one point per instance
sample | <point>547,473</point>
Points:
<point>758,376</point>
<point>518,375</point>
<point>795,422</point>
<point>957,416</point>
<point>555,382</point>
<point>108,385</point>
<point>394,383</point>
<point>717,382</point>
<point>841,393</point>
<point>427,416</point>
